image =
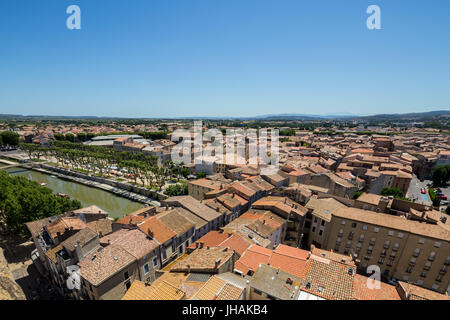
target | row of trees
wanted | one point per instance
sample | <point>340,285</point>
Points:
<point>435,199</point>
<point>9,138</point>
<point>140,168</point>
<point>22,200</point>
<point>85,136</point>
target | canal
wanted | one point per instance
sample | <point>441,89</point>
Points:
<point>116,206</point>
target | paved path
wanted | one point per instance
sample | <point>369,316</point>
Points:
<point>414,191</point>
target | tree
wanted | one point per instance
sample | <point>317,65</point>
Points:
<point>436,200</point>
<point>70,137</point>
<point>10,138</point>
<point>22,200</point>
<point>81,136</point>
<point>201,174</point>
<point>357,194</point>
<point>1,140</point>
<point>395,192</point>
<point>59,137</point>
<point>447,211</point>
<point>179,189</point>
<point>441,174</point>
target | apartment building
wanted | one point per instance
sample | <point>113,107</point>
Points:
<point>200,187</point>
<point>405,250</point>
<point>215,219</point>
<point>107,273</point>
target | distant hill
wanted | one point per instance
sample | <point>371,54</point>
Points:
<point>417,116</point>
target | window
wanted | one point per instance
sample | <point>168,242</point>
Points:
<point>126,275</point>
<point>409,270</point>
<point>364,227</point>
<point>338,240</point>
<point>146,268</point>
<point>343,222</point>
<point>361,238</point>
<point>416,252</point>
<point>350,235</point>
<point>372,241</point>
<point>322,223</point>
<point>164,254</point>
<point>423,274</point>
<point>369,249</point>
<point>390,262</point>
<point>421,241</point>
<point>439,278</point>
<point>346,251</point>
<point>420,282</point>
<point>435,287</point>
<point>376,229</point>
<point>412,262</point>
<point>381,260</point>
<point>128,284</point>
<point>447,261</point>
<point>348,244</point>
<point>391,233</point>
<point>387,244</point>
<point>400,235</point>
<point>315,220</point>
<point>341,232</point>
<point>427,266</point>
<point>320,232</point>
<point>437,244</point>
<point>155,262</point>
<point>353,225</point>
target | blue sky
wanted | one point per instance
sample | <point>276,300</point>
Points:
<point>174,58</point>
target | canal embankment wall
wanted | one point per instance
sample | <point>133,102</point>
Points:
<point>122,189</point>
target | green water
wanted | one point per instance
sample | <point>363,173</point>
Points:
<point>116,206</point>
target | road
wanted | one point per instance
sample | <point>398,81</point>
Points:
<point>414,191</point>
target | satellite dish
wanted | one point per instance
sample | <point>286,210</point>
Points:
<point>71,269</point>
<point>73,282</point>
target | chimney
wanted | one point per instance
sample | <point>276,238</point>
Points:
<point>189,268</point>
<point>247,290</point>
<point>201,245</point>
<point>207,247</point>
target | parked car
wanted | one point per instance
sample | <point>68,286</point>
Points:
<point>423,191</point>
<point>442,197</point>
